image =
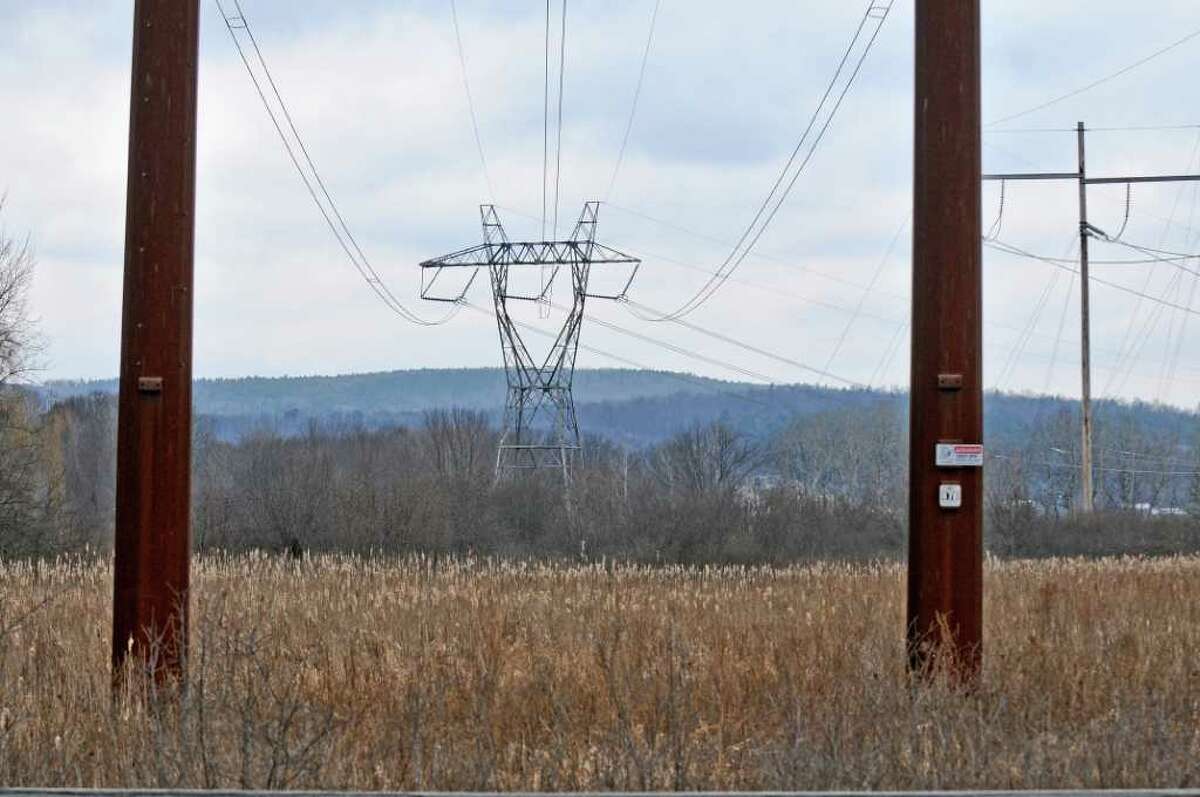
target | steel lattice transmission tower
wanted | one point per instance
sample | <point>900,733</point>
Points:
<point>540,426</point>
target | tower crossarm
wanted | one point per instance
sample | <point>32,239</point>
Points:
<point>532,253</point>
<point>540,425</point>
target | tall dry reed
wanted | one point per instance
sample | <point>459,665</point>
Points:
<point>349,673</point>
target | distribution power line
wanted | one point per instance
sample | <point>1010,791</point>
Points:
<point>1097,83</point>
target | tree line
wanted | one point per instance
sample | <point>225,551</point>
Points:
<point>830,485</point>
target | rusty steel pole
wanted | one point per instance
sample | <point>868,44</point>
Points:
<point>945,558</point>
<point>153,535</point>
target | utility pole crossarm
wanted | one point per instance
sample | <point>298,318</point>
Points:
<point>1032,176</point>
<point>1161,178</point>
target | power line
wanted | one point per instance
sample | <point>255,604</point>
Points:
<point>633,363</point>
<point>783,185</point>
<point>1101,468</point>
<point>994,231</point>
<point>747,346</point>
<point>462,61</point>
<point>1012,250</point>
<point>546,121</point>
<point>1152,256</point>
<point>1022,341</point>
<point>889,354</point>
<point>637,93</point>
<point>776,258</point>
<point>1028,331</point>
<point>1156,255</point>
<point>774,290</point>
<point>1170,375</point>
<point>704,358</point>
<point>866,292</point>
<point>783,291</point>
<point>562,74</point>
<point>1128,346</point>
<point>341,231</point>
<point>1062,320</point>
<point>1096,83</point>
<point>1073,131</point>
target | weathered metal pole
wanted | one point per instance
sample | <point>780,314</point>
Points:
<point>153,539</point>
<point>945,565</point>
<point>1085,458</point>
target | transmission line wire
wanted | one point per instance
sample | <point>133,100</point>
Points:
<point>651,312</point>
<point>562,75</point>
<point>1097,83</point>
<point>866,292</point>
<point>635,364</point>
<point>778,290</point>
<point>773,290</point>
<point>757,254</point>
<point>637,93</point>
<point>783,184</point>
<point>341,231</point>
<point>889,354</point>
<point>462,62</point>
<point>678,349</point>
<point>546,121</point>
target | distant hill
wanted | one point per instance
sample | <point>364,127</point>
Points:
<point>629,406</point>
<point>401,391</point>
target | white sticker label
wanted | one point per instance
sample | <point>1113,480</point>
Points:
<point>950,496</point>
<point>959,455</point>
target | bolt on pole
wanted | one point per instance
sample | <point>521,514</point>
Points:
<point>945,564</point>
<point>153,535</point>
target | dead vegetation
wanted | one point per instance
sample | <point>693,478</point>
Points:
<point>348,673</point>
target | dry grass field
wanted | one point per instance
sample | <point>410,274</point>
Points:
<point>348,673</point>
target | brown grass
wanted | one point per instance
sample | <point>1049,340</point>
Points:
<point>348,673</point>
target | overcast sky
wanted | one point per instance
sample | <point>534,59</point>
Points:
<point>376,88</point>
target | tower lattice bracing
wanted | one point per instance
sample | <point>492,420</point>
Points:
<point>541,429</point>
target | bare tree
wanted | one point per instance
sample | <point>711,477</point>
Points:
<point>705,458</point>
<point>461,444</point>
<point>18,333</point>
<point>25,492</point>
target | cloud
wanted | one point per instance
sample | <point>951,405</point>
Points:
<point>377,91</point>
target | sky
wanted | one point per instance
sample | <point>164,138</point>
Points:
<point>377,90</point>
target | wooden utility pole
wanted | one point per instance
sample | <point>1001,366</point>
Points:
<point>945,558</point>
<point>153,536</point>
<point>1087,231</point>
<point>1085,451</point>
